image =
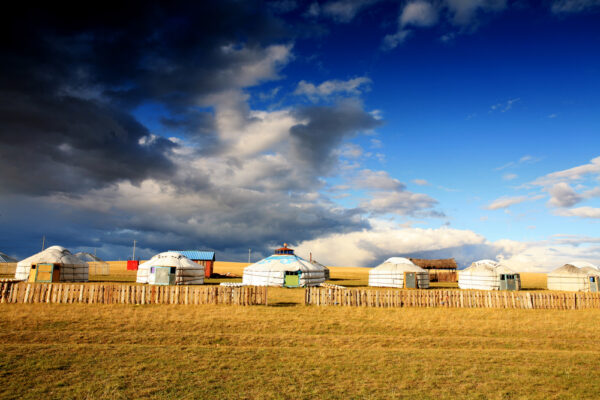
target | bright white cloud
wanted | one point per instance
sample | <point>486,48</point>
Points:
<point>377,180</point>
<point>582,212</point>
<point>506,202</point>
<point>569,175</point>
<point>328,88</point>
<point>419,13</point>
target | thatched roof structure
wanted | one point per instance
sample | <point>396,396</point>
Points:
<point>443,263</point>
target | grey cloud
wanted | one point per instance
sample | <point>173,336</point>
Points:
<point>573,6</point>
<point>563,195</point>
<point>324,128</point>
<point>63,144</point>
<point>345,10</point>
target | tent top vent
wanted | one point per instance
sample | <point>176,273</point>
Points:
<point>284,250</point>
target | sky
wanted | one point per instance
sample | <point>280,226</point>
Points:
<point>354,130</point>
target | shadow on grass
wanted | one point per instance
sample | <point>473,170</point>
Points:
<point>284,304</point>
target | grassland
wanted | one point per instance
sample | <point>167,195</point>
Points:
<point>291,351</point>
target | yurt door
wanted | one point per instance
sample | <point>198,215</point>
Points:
<point>163,275</point>
<point>44,273</point>
<point>594,284</point>
<point>508,282</point>
<point>292,279</point>
<point>410,280</point>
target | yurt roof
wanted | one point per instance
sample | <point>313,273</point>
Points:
<point>169,259</point>
<point>88,257</point>
<point>6,259</point>
<point>442,263</point>
<point>399,264</point>
<point>583,264</point>
<point>590,270</point>
<point>503,269</point>
<point>287,262</point>
<point>53,255</point>
<point>569,270</point>
<point>481,267</point>
<point>318,264</point>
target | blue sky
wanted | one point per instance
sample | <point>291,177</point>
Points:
<point>455,128</point>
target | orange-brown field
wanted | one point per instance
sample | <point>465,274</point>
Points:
<point>291,351</point>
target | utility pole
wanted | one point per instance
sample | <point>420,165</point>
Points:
<point>43,242</point>
<point>249,252</point>
<point>133,258</point>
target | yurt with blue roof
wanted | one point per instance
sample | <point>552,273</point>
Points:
<point>284,269</point>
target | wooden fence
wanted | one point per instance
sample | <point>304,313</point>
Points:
<point>451,298</point>
<point>19,292</point>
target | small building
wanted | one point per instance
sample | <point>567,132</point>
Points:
<point>440,270</point>
<point>575,277</point>
<point>170,268</point>
<point>284,269</point>
<point>399,272</point>
<point>55,264</point>
<point>489,275</point>
<point>203,257</point>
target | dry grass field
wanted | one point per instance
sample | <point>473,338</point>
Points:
<point>291,351</point>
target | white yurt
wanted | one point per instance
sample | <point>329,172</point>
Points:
<point>55,264</point>
<point>488,275</point>
<point>326,272</point>
<point>170,268</point>
<point>575,277</point>
<point>284,269</point>
<point>393,271</point>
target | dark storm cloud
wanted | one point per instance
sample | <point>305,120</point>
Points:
<point>64,144</point>
<point>70,76</point>
<point>325,127</point>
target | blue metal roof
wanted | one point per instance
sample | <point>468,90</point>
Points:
<point>197,254</point>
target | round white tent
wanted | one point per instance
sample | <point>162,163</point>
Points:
<point>392,273</point>
<point>326,272</point>
<point>284,269</point>
<point>488,275</point>
<point>51,265</point>
<point>574,277</point>
<point>170,268</point>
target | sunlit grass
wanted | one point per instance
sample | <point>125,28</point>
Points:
<point>120,351</point>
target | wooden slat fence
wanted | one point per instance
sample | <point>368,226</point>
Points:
<point>451,298</point>
<point>64,293</point>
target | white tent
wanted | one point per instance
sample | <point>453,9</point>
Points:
<point>392,272</point>
<point>170,267</point>
<point>57,258</point>
<point>284,269</point>
<point>488,275</point>
<point>574,277</point>
<point>326,272</point>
